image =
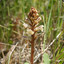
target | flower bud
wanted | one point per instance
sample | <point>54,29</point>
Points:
<point>38,19</point>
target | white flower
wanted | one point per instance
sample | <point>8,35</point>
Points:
<point>30,32</point>
<point>25,25</point>
<point>39,28</point>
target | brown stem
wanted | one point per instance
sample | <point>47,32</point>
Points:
<point>32,52</point>
<point>32,49</point>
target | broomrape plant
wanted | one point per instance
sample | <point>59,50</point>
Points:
<point>32,27</point>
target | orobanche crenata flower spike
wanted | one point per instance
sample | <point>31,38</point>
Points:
<point>32,27</point>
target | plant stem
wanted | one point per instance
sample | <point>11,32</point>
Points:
<point>32,52</point>
<point>32,49</point>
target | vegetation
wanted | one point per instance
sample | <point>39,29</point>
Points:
<point>13,14</point>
